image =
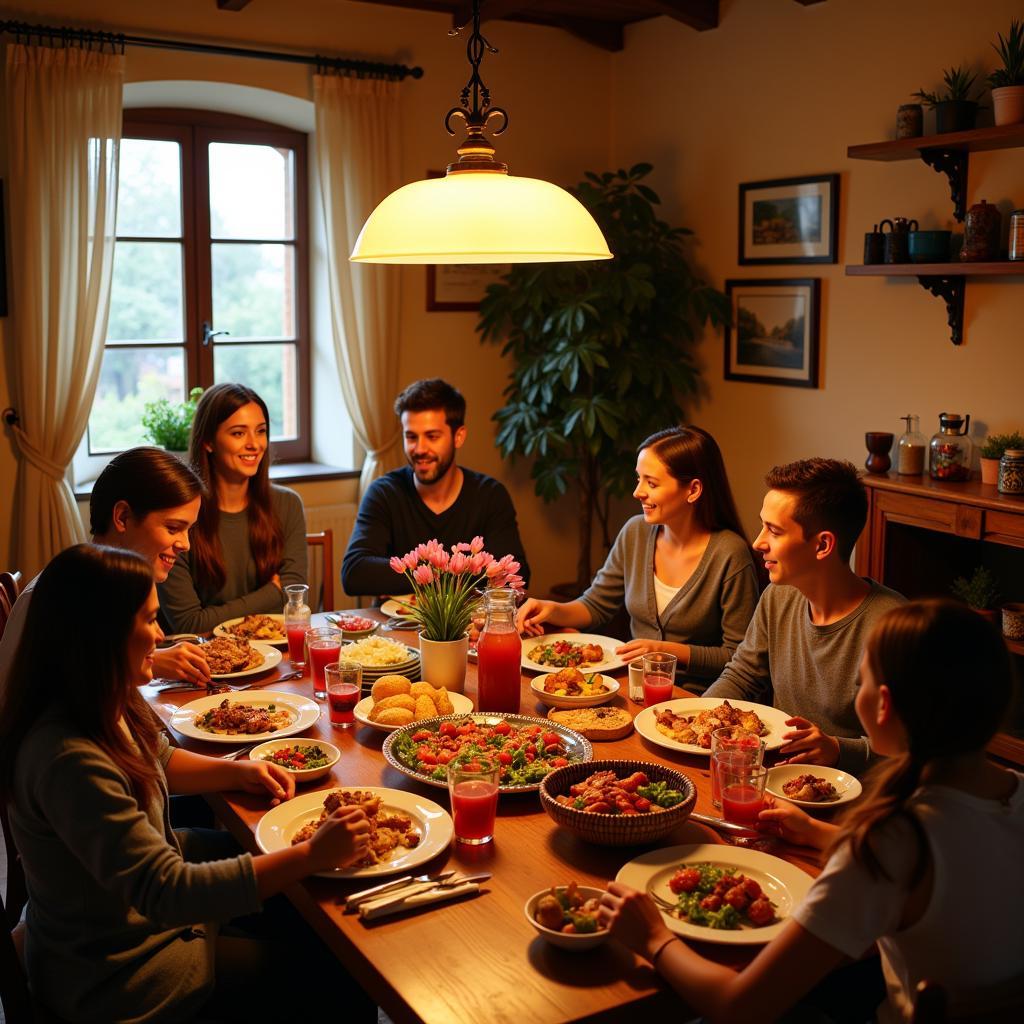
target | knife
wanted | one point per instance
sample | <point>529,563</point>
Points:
<point>719,825</point>
<point>395,885</point>
<point>400,897</point>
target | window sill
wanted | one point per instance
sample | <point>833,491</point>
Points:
<point>282,473</point>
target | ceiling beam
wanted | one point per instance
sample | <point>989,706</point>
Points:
<point>699,14</point>
<point>232,5</point>
<point>605,34</point>
<point>809,3</point>
<point>493,9</point>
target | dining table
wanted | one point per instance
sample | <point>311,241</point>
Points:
<point>479,958</point>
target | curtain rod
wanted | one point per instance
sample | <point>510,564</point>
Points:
<point>118,39</point>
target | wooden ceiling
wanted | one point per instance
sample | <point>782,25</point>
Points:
<point>599,22</point>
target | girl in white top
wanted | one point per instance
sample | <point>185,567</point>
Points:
<point>928,864</point>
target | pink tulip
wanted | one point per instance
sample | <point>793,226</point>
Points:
<point>438,558</point>
<point>423,575</point>
<point>412,559</point>
<point>476,544</point>
<point>461,546</point>
<point>459,563</point>
<point>397,564</point>
<point>478,562</point>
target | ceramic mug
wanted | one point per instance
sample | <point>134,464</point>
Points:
<point>929,246</point>
<point>1013,621</point>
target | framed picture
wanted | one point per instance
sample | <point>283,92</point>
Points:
<point>774,334</point>
<point>791,220</point>
<point>459,287</point>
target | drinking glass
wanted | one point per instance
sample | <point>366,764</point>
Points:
<point>474,792</point>
<point>323,647</point>
<point>659,675</point>
<point>742,790</point>
<point>729,741</point>
<point>344,682</point>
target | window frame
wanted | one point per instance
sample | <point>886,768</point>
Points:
<point>194,130</point>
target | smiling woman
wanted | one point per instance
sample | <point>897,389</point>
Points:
<point>250,539</point>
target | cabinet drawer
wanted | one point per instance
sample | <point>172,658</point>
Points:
<point>923,512</point>
<point>1004,528</point>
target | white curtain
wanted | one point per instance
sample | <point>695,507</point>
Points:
<point>64,130</point>
<point>358,164</point>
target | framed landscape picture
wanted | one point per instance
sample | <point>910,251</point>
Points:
<point>452,287</point>
<point>774,334</point>
<point>790,220</point>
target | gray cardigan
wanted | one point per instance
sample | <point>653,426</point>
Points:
<point>112,904</point>
<point>710,612</point>
<point>189,611</point>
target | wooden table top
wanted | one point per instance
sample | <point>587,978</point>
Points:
<point>479,959</point>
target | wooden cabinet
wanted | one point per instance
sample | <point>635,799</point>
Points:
<point>922,533</point>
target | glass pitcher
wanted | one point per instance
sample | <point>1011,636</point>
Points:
<point>951,448</point>
<point>499,655</point>
<point>296,622</point>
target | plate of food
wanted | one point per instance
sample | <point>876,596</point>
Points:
<point>686,724</point>
<point>251,717</point>
<point>395,702</point>
<point>231,658</point>
<point>571,688</point>
<point>406,829</point>
<point>399,607</point>
<point>531,747</point>
<point>353,627</point>
<point>716,893</point>
<point>380,652</point>
<point>584,651</point>
<point>812,786</point>
<point>268,628</point>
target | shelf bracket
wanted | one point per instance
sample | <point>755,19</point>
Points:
<point>951,290</point>
<point>953,164</point>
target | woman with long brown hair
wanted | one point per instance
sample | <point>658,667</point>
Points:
<point>927,864</point>
<point>682,566</point>
<point>122,920</point>
<point>250,539</point>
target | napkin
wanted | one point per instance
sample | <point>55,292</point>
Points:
<point>394,903</point>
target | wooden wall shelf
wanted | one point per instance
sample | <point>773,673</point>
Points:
<point>1007,136</point>
<point>1003,268</point>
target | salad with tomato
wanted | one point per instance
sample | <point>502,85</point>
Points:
<point>526,753</point>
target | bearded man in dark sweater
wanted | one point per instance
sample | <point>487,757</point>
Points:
<point>431,497</point>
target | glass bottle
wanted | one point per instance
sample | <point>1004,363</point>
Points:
<point>951,448</point>
<point>296,622</point>
<point>499,655</point>
<point>910,448</point>
<point>1011,471</point>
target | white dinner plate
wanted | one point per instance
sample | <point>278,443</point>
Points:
<point>784,883</point>
<point>434,824</point>
<point>555,701</point>
<point>609,662</point>
<point>393,607</point>
<point>848,787</point>
<point>460,702</point>
<point>646,725</point>
<point>223,630</point>
<point>304,712</point>
<point>271,659</point>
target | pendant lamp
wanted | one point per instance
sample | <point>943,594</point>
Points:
<point>478,212</point>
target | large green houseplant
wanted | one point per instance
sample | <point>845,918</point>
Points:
<point>602,351</point>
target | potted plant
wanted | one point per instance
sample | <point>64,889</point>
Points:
<point>980,592</point>
<point>168,424</point>
<point>1007,82</point>
<point>992,451</point>
<point>446,588</point>
<point>602,351</point>
<point>954,110</point>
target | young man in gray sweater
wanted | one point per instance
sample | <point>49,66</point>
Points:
<point>802,649</point>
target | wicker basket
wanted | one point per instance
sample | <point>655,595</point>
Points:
<point>616,829</point>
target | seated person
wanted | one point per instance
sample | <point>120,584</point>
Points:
<point>805,640</point>
<point>682,565</point>
<point>250,539</point>
<point>145,500</point>
<point>432,497</point>
<point>908,864</point>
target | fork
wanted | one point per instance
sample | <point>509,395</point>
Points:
<point>665,904</point>
<point>232,755</point>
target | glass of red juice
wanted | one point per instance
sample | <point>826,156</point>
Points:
<point>659,677</point>
<point>323,647</point>
<point>344,683</point>
<point>742,791</point>
<point>473,788</point>
<point>733,742</point>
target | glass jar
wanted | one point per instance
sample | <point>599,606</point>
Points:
<point>910,448</point>
<point>1011,471</point>
<point>296,622</point>
<point>950,449</point>
<point>499,655</point>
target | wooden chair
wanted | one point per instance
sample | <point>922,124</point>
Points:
<point>8,595</point>
<point>321,577</point>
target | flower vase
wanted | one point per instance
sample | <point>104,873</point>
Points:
<point>443,662</point>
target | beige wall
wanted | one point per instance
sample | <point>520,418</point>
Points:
<point>780,90</point>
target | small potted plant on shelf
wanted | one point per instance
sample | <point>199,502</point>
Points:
<point>168,424</point>
<point>1007,82</point>
<point>980,592</point>
<point>992,451</point>
<point>954,110</point>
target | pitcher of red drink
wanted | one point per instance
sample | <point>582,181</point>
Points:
<point>499,655</point>
<point>296,622</point>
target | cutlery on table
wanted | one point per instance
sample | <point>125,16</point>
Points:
<point>289,675</point>
<point>665,904</point>
<point>720,825</point>
<point>394,886</point>
<point>232,755</point>
<point>425,895</point>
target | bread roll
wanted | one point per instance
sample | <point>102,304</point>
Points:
<point>399,700</point>
<point>421,690</point>
<point>443,702</point>
<point>389,686</point>
<point>425,708</point>
<point>391,716</point>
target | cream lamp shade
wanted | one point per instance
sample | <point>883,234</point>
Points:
<point>480,217</point>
